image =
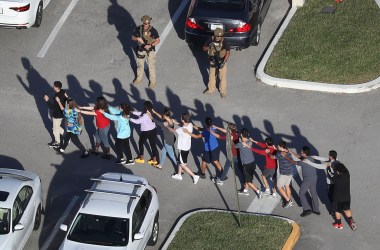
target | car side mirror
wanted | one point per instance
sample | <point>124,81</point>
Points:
<point>18,227</point>
<point>138,236</point>
<point>63,227</point>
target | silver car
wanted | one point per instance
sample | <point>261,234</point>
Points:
<point>20,207</point>
<point>120,211</point>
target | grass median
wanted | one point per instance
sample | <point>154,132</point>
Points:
<point>339,48</point>
<point>219,230</point>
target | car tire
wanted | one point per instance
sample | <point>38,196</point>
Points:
<point>256,38</point>
<point>38,21</point>
<point>154,236</point>
<point>37,218</point>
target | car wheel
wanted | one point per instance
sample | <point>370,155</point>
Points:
<point>37,219</point>
<point>154,236</point>
<point>256,38</point>
<point>38,21</point>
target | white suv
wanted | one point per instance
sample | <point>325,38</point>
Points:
<point>120,211</point>
<point>20,207</point>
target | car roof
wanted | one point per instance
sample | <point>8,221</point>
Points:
<point>11,181</point>
<point>114,195</point>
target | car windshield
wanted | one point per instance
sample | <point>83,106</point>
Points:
<point>221,4</point>
<point>100,230</point>
<point>4,220</point>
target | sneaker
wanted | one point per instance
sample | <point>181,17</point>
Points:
<point>151,162</point>
<point>177,177</point>
<point>306,213</point>
<point>54,144</point>
<point>138,160</point>
<point>353,225</point>
<point>195,179</point>
<point>337,225</point>
<point>152,85</point>
<point>217,181</point>
<point>207,91</point>
<point>136,81</point>
<point>121,161</point>
<point>85,154</point>
<point>223,95</point>
<point>259,194</point>
<point>267,192</point>
<point>130,162</point>
<point>202,175</point>
<point>273,195</point>
<point>61,150</point>
<point>317,213</point>
<point>225,178</point>
<point>288,204</point>
<point>243,192</point>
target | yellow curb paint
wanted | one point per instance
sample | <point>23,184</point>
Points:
<point>293,237</point>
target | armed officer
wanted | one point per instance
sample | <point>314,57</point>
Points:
<point>147,38</point>
<point>218,53</point>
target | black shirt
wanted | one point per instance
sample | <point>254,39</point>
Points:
<point>225,45</point>
<point>153,32</point>
<point>341,187</point>
<point>57,112</point>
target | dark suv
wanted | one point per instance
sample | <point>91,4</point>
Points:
<point>240,20</point>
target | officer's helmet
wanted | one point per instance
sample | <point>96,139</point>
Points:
<point>146,19</point>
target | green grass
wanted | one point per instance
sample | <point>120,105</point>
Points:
<point>340,48</point>
<point>219,230</point>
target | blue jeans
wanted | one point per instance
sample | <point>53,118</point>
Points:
<point>170,150</point>
<point>101,135</point>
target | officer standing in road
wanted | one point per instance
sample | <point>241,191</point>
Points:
<point>147,38</point>
<point>218,52</point>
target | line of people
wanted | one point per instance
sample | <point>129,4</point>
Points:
<point>243,151</point>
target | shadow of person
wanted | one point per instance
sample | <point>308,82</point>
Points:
<point>67,187</point>
<point>125,25</point>
<point>78,94</point>
<point>120,95</point>
<point>174,102</point>
<point>203,63</point>
<point>37,87</point>
<point>10,162</point>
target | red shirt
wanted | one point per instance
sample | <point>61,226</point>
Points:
<point>269,162</point>
<point>101,120</point>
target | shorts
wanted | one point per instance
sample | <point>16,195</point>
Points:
<point>210,156</point>
<point>249,171</point>
<point>284,180</point>
<point>342,206</point>
<point>182,156</point>
<point>268,172</point>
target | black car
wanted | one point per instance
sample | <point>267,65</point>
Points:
<point>240,20</point>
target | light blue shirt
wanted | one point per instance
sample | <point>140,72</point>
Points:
<point>123,129</point>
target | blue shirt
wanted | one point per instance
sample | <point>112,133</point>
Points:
<point>123,129</point>
<point>72,124</point>
<point>211,142</point>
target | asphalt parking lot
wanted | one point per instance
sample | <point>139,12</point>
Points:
<point>92,55</point>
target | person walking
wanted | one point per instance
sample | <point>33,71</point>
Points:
<point>103,126</point>
<point>218,53</point>
<point>73,126</point>
<point>342,196</point>
<point>169,137</point>
<point>147,39</point>
<point>123,129</point>
<point>309,183</point>
<point>148,132</point>
<point>57,114</point>
<point>211,149</point>
<point>248,162</point>
<point>184,146</point>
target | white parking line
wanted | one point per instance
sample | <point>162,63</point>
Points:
<point>169,26</point>
<point>56,29</point>
<point>59,222</point>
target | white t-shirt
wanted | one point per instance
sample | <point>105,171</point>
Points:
<point>184,139</point>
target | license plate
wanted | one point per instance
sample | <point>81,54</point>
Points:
<point>213,26</point>
<point>1,11</point>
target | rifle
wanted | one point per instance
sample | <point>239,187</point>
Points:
<point>217,60</point>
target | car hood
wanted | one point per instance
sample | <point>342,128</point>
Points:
<point>4,241</point>
<point>13,1</point>
<point>72,245</point>
<point>215,14</point>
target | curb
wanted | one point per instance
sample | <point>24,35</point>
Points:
<point>306,85</point>
<point>289,244</point>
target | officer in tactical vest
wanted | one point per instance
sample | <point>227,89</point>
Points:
<point>218,53</point>
<point>147,38</point>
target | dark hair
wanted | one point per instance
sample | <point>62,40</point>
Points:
<point>333,154</point>
<point>57,84</point>
<point>208,121</point>
<point>166,112</point>
<point>148,106</point>
<point>232,127</point>
<point>269,141</point>
<point>126,109</point>
<point>244,133</point>
<point>339,167</point>
<point>185,117</point>
<point>282,144</point>
<point>101,103</point>
<point>306,150</point>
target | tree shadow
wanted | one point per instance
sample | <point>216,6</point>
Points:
<point>70,180</point>
<point>37,87</point>
<point>125,25</point>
